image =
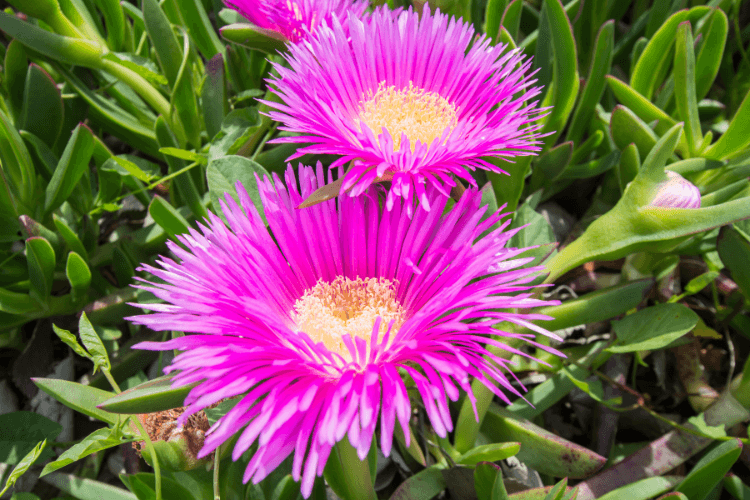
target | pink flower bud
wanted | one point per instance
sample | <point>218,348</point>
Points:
<point>677,192</point>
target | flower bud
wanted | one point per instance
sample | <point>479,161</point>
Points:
<point>676,192</point>
<point>176,446</point>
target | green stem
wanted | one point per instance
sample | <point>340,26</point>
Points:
<point>217,492</point>
<point>144,435</point>
<point>139,84</point>
<point>152,451</point>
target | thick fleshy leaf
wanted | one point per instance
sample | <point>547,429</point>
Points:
<point>199,26</point>
<point>565,80</point>
<point>542,493</point>
<point>551,165</point>
<point>653,328</point>
<point>347,475</point>
<point>735,487</point>
<point>643,489</point>
<point>493,16</point>
<point>73,164</point>
<point>214,100</point>
<point>41,260</point>
<point>627,128</point>
<point>708,60</point>
<point>151,396</point>
<point>114,18</point>
<point>511,20</point>
<point>112,118</point>
<point>18,168</point>
<point>79,276</point>
<point>653,63</point>
<point>168,217</point>
<point>630,164</point>
<point>251,36</point>
<point>645,110</point>
<point>540,449</point>
<point>558,491</point>
<point>709,470</point>
<point>595,82</point>
<point>734,139</point>
<point>72,240</point>
<point>489,453</point>
<point>423,485</point>
<point>67,50</point>
<point>82,398</point>
<point>593,167</point>
<point>488,482</point>
<point>684,86</point>
<point>42,112</point>
<point>15,68</point>
<point>178,72</point>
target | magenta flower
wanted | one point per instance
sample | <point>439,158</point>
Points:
<point>296,18</point>
<point>409,100</point>
<point>312,319</point>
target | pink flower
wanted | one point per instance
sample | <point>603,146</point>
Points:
<point>295,19</point>
<point>410,100</point>
<point>314,320</point>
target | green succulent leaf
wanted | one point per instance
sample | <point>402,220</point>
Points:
<point>540,449</point>
<point>43,110</point>
<point>79,276</point>
<point>151,396</point>
<point>653,328</point>
<point>82,398</point>
<point>70,169</point>
<point>489,453</point>
<point>643,489</point>
<point>41,260</point>
<point>709,470</point>
<point>684,86</point>
<point>488,482</point>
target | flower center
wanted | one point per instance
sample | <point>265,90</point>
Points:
<point>328,311</point>
<point>422,115</point>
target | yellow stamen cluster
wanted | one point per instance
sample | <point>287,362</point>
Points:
<point>327,311</point>
<point>422,115</point>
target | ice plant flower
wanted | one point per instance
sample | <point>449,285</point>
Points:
<point>314,320</point>
<point>295,19</point>
<point>676,192</point>
<point>409,100</point>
